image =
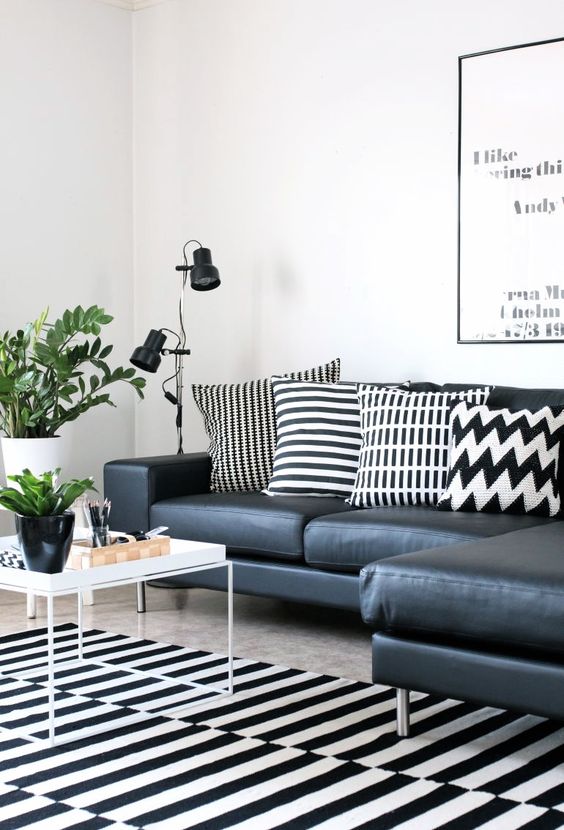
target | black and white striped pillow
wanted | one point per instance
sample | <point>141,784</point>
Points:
<point>404,458</point>
<point>239,420</point>
<point>318,438</point>
<point>503,461</point>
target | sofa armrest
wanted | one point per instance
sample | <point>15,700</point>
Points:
<point>134,484</point>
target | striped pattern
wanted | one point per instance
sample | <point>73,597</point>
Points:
<point>318,438</point>
<point>503,461</point>
<point>291,750</point>
<point>239,421</point>
<point>404,458</point>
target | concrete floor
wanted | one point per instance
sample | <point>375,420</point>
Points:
<point>317,639</point>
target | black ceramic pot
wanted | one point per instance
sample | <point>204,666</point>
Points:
<point>45,541</point>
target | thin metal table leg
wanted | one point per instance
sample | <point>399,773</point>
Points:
<point>230,625</point>
<point>51,670</point>
<point>88,597</point>
<point>141,600</point>
<point>80,622</point>
<point>31,605</point>
<point>402,712</point>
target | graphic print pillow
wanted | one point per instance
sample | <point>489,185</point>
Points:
<point>503,461</point>
<point>239,421</point>
<point>404,458</point>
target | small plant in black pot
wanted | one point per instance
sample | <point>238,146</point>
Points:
<point>44,522</point>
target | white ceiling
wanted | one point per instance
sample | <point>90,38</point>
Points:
<point>132,5</point>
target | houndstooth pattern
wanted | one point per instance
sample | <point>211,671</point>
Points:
<point>404,458</point>
<point>240,424</point>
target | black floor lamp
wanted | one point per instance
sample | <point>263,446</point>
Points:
<point>204,276</point>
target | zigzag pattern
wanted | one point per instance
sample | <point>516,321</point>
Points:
<point>504,462</point>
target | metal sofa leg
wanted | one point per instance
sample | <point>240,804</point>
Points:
<point>402,712</point>
<point>141,603</point>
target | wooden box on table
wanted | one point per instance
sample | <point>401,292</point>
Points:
<point>83,555</point>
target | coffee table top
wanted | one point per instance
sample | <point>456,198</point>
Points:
<point>183,556</point>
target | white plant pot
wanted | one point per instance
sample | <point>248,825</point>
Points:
<point>36,454</point>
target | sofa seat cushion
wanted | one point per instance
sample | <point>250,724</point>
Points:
<point>505,590</point>
<point>348,541</point>
<point>244,522</point>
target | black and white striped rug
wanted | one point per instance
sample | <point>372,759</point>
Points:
<point>290,749</point>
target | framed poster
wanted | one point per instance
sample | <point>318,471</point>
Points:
<point>511,195</point>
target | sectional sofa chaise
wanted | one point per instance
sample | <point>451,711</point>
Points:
<point>468,605</point>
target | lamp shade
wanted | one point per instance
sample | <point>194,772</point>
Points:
<point>148,356</point>
<point>204,276</point>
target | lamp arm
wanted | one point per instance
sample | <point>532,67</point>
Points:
<point>199,244</point>
<point>187,267</point>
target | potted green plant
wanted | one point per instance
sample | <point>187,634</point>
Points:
<point>51,373</point>
<point>44,522</point>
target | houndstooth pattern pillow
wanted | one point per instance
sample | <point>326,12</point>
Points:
<point>240,423</point>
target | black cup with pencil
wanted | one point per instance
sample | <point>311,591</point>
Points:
<point>99,517</point>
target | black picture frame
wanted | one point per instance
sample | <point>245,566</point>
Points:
<point>511,194</point>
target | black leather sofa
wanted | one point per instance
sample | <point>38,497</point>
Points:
<point>302,549</point>
<point>481,621</point>
<point>469,605</point>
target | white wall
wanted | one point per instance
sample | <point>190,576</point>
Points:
<point>312,145</point>
<point>66,187</point>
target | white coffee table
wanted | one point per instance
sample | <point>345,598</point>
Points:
<point>11,542</point>
<point>184,557</point>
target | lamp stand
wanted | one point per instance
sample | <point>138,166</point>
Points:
<point>181,351</point>
<point>179,354</point>
<point>180,375</point>
<point>177,398</point>
<point>204,276</point>
<point>179,393</point>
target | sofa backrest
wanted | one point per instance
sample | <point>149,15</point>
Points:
<point>501,397</point>
<point>514,397</point>
<point>429,386</point>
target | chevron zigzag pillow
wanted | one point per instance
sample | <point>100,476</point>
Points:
<point>503,461</point>
<point>239,420</point>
